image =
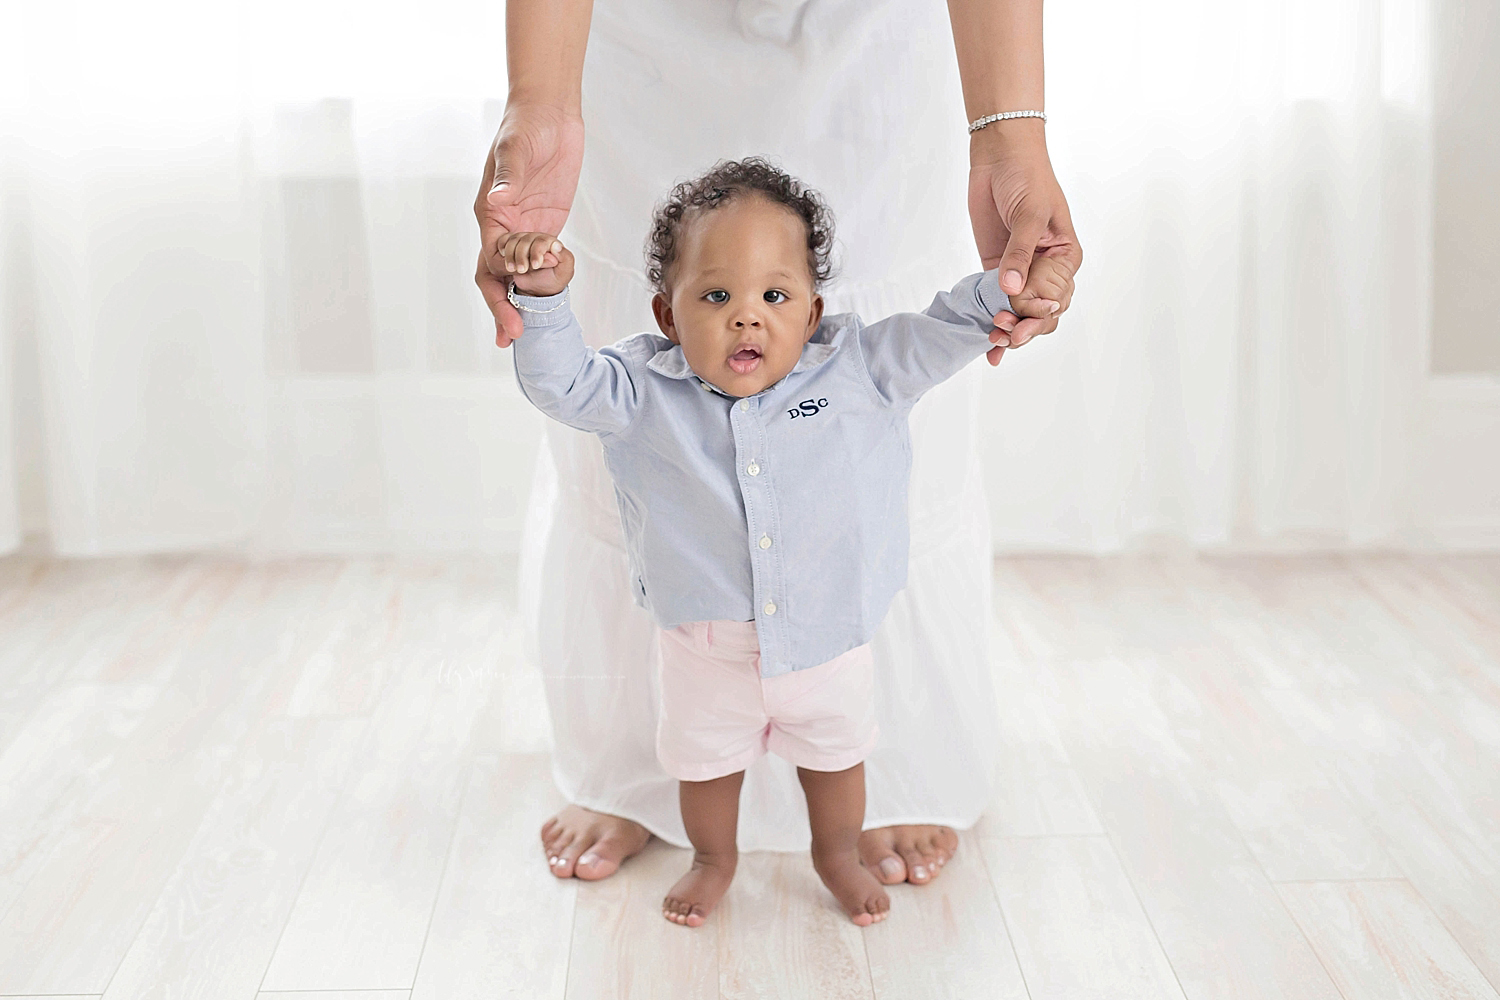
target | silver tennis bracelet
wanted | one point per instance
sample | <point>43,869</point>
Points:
<point>979,123</point>
<point>510,295</point>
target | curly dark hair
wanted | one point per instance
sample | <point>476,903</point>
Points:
<point>725,181</point>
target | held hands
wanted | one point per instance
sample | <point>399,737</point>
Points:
<point>541,265</point>
<point>528,186</point>
<point>1022,226</point>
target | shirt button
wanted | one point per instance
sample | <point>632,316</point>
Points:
<point>770,608</point>
<point>753,469</point>
<point>765,541</point>
<point>744,404</point>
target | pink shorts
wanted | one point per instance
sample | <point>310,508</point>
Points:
<point>718,714</point>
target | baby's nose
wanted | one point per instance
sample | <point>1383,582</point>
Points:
<point>746,319</point>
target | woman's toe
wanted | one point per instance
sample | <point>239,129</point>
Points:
<point>566,861</point>
<point>916,866</point>
<point>888,868</point>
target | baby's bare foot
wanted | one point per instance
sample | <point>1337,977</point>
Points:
<point>696,894</point>
<point>858,892</point>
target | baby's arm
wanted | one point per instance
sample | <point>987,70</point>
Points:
<point>564,378</point>
<point>909,353</point>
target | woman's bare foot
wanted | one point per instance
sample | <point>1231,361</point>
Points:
<point>906,853</point>
<point>853,886</point>
<point>590,844</point>
<point>696,894</point>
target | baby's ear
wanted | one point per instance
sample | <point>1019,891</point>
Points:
<point>814,317</point>
<point>661,308</point>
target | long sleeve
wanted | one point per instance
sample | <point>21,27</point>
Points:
<point>909,353</point>
<point>567,380</point>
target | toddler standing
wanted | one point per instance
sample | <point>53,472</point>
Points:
<point>760,454</point>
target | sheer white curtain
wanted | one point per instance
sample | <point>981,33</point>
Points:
<point>237,308</point>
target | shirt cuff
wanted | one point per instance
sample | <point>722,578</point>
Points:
<point>542,310</point>
<point>987,292</point>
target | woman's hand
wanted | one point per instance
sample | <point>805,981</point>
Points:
<point>528,186</point>
<point>541,257</point>
<point>1021,225</point>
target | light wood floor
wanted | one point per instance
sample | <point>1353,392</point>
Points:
<point>1224,778</point>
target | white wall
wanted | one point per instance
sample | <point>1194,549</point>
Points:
<point>1466,118</point>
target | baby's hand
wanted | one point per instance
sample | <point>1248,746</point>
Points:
<point>546,263</point>
<point>1036,308</point>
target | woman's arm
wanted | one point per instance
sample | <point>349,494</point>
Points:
<point>999,47</point>
<point>544,47</point>
<point>1015,204</point>
<point>532,172</point>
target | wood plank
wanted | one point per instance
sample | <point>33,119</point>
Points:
<point>946,939</point>
<point>1300,825</point>
<point>216,922</point>
<point>351,668</point>
<point>161,626</point>
<point>502,923</point>
<point>1037,790</point>
<point>107,861</point>
<point>75,613</point>
<point>362,915</point>
<point>1380,941</point>
<point>1278,791</point>
<point>782,935</point>
<point>1440,611</point>
<point>1078,929</point>
<point>55,763</point>
<point>1419,789</point>
<point>623,948</point>
<point>1216,915</point>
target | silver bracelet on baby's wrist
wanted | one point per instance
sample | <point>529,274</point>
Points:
<point>979,123</point>
<point>510,295</point>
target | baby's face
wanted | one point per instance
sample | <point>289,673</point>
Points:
<point>741,300</point>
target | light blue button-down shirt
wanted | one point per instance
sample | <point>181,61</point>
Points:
<point>787,507</point>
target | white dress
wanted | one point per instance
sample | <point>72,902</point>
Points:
<point>861,100</point>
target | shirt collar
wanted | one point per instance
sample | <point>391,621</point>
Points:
<point>672,363</point>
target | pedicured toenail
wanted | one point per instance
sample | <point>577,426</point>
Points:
<point>919,871</point>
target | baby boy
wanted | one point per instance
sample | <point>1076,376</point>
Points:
<point>760,455</point>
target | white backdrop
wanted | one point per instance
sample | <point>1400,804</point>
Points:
<point>237,308</point>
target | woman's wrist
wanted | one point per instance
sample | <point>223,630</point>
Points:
<point>1004,139</point>
<point>522,100</point>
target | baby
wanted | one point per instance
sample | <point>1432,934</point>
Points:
<point>760,454</point>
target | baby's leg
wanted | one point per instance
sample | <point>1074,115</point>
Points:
<point>836,811</point>
<point>711,814</point>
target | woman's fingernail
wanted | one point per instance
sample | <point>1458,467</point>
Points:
<point>1052,306</point>
<point>1013,279</point>
<point>1002,341</point>
<point>556,246</point>
<point>1007,325</point>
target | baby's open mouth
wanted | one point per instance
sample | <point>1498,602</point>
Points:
<point>745,360</point>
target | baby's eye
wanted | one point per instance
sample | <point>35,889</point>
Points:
<point>718,296</point>
<point>772,296</point>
